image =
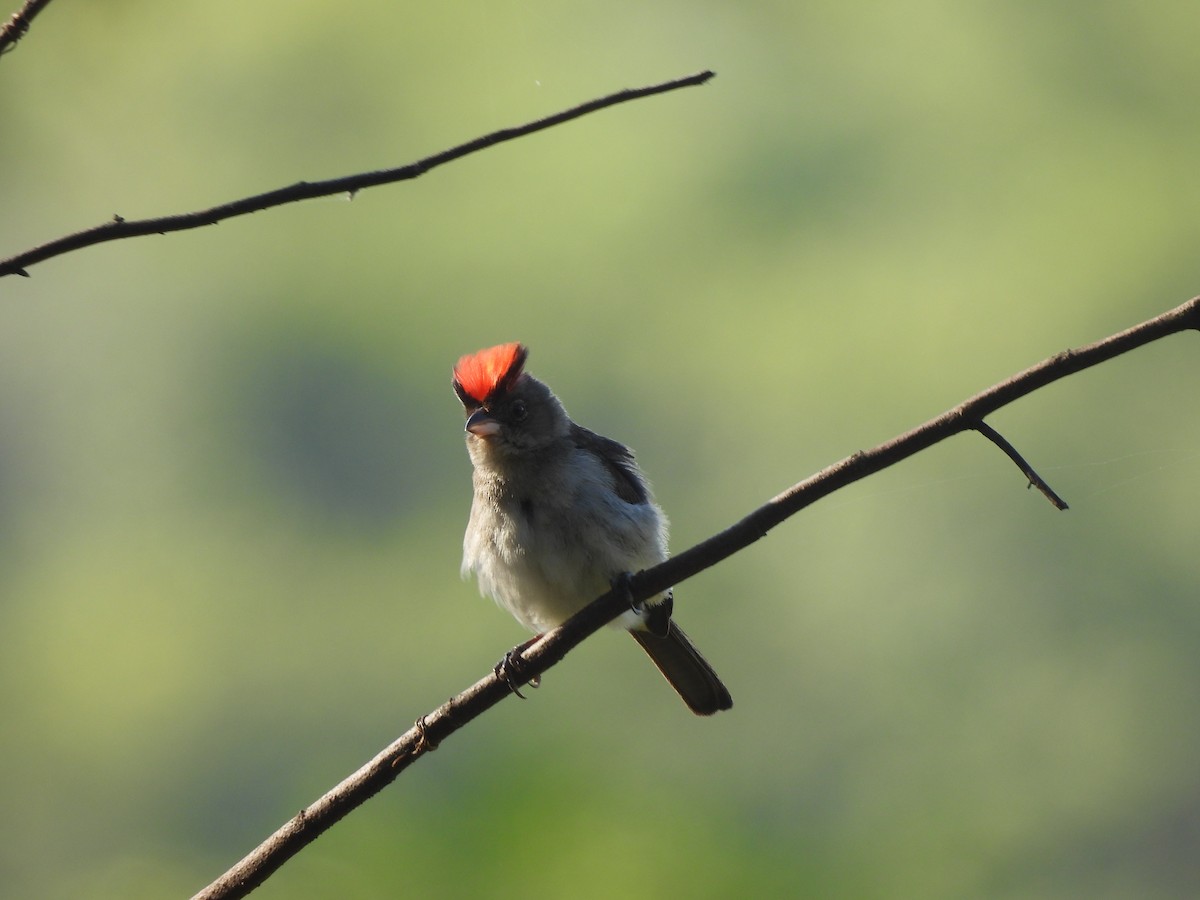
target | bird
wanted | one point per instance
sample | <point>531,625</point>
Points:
<point>560,514</point>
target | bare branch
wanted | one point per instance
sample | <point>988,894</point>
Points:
<point>435,727</point>
<point>1035,480</point>
<point>119,227</point>
<point>18,24</point>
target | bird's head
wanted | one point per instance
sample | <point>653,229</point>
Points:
<point>507,409</point>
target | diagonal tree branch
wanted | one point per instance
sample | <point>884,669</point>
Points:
<point>18,24</point>
<point>119,227</point>
<point>312,821</point>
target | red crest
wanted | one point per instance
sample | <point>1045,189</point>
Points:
<point>478,377</point>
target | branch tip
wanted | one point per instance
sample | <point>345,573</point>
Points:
<point>308,190</point>
<point>1035,480</point>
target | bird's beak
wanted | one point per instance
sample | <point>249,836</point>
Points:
<point>481,424</point>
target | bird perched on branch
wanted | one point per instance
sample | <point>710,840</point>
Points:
<point>560,514</point>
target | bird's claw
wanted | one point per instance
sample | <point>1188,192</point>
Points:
<point>620,584</point>
<point>511,670</point>
<point>656,617</point>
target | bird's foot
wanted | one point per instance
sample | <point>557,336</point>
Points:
<point>655,616</point>
<point>511,669</point>
<point>620,584</point>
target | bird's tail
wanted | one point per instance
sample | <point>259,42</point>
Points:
<point>686,670</point>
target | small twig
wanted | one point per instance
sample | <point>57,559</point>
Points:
<point>1035,480</point>
<point>18,24</point>
<point>118,227</point>
<point>544,652</point>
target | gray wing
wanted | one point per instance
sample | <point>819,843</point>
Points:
<point>618,459</point>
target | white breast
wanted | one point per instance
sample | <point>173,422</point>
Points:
<point>546,553</point>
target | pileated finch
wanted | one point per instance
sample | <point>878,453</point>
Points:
<point>560,514</point>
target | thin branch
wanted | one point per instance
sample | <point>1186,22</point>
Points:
<point>430,730</point>
<point>119,227</point>
<point>854,468</point>
<point>1035,480</point>
<point>18,24</point>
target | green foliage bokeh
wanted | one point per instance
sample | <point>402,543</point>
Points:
<point>232,486</point>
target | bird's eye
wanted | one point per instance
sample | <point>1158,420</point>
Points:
<point>519,412</point>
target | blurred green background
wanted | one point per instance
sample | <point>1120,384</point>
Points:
<point>233,487</point>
